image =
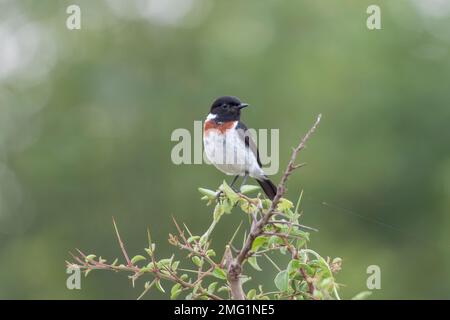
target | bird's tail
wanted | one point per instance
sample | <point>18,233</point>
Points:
<point>268,187</point>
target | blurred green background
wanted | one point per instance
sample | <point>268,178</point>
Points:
<point>86,118</point>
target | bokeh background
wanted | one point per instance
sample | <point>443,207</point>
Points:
<point>86,118</point>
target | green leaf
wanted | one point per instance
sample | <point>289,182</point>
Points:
<point>362,295</point>
<point>227,206</point>
<point>229,193</point>
<point>145,269</point>
<point>159,286</point>
<point>223,289</point>
<point>246,206</point>
<point>197,261</point>
<point>211,253</point>
<point>212,287</point>
<point>301,243</point>
<point>266,203</point>
<point>151,249</point>
<point>193,238</point>
<point>184,277</point>
<point>284,205</point>
<point>175,291</point>
<point>252,261</point>
<point>175,265</point>
<point>258,242</point>
<point>164,262</point>
<point>282,280</point>
<point>249,189</point>
<point>90,257</point>
<point>209,193</point>
<point>251,294</point>
<point>137,259</point>
<point>219,273</point>
<point>274,240</point>
<point>293,266</point>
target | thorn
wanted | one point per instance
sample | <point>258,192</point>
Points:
<point>122,247</point>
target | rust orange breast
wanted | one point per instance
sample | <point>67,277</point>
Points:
<point>222,126</point>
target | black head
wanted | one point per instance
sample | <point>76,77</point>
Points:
<point>227,108</point>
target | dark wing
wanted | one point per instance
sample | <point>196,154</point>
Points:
<point>245,134</point>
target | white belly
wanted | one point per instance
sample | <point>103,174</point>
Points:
<point>229,154</point>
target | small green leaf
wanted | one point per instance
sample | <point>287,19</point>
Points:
<point>362,295</point>
<point>137,259</point>
<point>249,189</point>
<point>227,206</point>
<point>211,253</point>
<point>293,266</point>
<point>282,280</point>
<point>223,288</point>
<point>229,193</point>
<point>197,261</point>
<point>164,262</point>
<point>219,273</point>
<point>151,249</point>
<point>258,242</point>
<point>175,265</point>
<point>251,294</point>
<point>193,238</point>
<point>274,240</point>
<point>212,287</point>
<point>252,261</point>
<point>206,192</point>
<point>175,291</point>
<point>159,286</point>
<point>301,243</point>
<point>184,277</point>
<point>145,269</point>
<point>90,257</point>
<point>284,205</point>
<point>247,207</point>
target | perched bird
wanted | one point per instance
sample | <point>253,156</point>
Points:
<point>229,146</point>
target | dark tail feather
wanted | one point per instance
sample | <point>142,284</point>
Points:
<point>268,187</point>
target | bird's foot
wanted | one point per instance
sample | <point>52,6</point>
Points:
<point>219,194</point>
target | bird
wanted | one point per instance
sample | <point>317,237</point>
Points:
<point>230,147</point>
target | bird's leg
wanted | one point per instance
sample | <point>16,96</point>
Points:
<point>244,181</point>
<point>233,182</point>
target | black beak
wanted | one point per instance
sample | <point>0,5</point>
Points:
<point>242,106</point>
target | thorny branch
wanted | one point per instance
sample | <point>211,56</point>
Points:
<point>235,265</point>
